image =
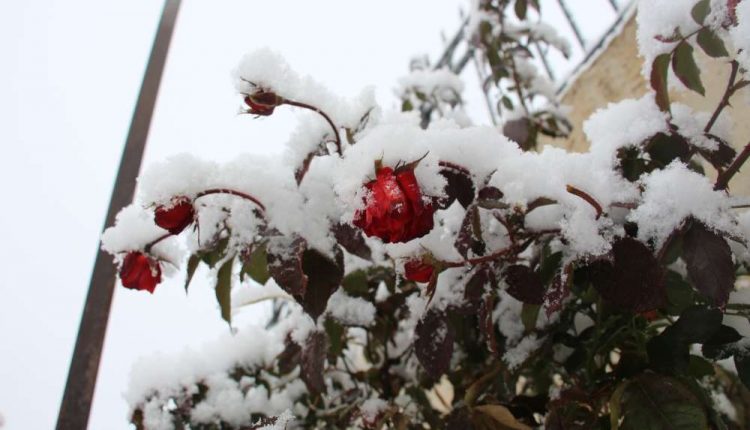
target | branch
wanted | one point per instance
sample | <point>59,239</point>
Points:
<point>724,102</point>
<point>723,180</point>
<point>324,115</point>
<point>585,196</point>
<point>232,192</point>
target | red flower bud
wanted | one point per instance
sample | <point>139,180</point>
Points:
<point>139,272</point>
<point>262,103</point>
<point>175,217</point>
<point>395,210</point>
<point>418,271</point>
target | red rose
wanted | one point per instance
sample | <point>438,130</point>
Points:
<point>175,217</point>
<point>395,210</point>
<point>418,271</point>
<point>139,272</point>
<point>262,103</point>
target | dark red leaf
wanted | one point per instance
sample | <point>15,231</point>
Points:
<point>324,276</point>
<point>524,284</point>
<point>486,324</point>
<point>285,264</point>
<point>467,239</point>
<point>659,69</point>
<point>433,343</point>
<point>352,240</point>
<point>555,296</point>
<point>312,363</point>
<point>459,187</point>
<point>519,131</point>
<point>633,281</point>
<point>709,263</point>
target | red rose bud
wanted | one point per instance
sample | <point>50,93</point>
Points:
<point>139,272</point>
<point>175,217</point>
<point>395,210</point>
<point>262,103</point>
<point>418,271</point>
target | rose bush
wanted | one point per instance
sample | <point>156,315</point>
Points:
<point>491,284</point>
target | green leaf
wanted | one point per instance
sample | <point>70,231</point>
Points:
<point>680,294</point>
<point>614,405</point>
<point>507,102</point>
<point>406,105</point>
<point>355,283</point>
<point>684,66</point>
<point>257,266</point>
<point>701,10</point>
<point>191,266</point>
<point>699,367</point>
<point>336,338</point>
<point>658,80</point>
<point>520,8</point>
<point>216,254</point>
<point>224,290</point>
<point>711,44</point>
<point>742,362</point>
<point>529,315</point>
<point>655,402</point>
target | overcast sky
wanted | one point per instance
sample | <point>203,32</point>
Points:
<point>68,83</point>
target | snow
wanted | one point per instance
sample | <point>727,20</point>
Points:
<point>371,408</point>
<point>516,355</point>
<point>350,310</point>
<point>134,228</point>
<point>442,84</point>
<point>625,123</point>
<point>157,379</point>
<point>672,195</point>
<point>269,71</point>
<point>691,124</point>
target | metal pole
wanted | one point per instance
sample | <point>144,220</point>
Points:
<point>572,23</point>
<point>84,366</point>
<point>614,5</point>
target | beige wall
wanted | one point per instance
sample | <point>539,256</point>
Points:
<point>616,74</point>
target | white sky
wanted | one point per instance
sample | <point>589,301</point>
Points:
<point>68,83</point>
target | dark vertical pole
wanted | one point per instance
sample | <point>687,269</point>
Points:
<point>84,366</point>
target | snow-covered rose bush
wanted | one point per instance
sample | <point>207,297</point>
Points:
<point>429,273</point>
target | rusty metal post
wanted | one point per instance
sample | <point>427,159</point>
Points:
<point>84,366</point>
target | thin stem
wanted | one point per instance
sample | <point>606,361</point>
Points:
<point>494,256</point>
<point>723,180</point>
<point>232,192</point>
<point>728,92</point>
<point>585,196</point>
<point>324,115</point>
<point>151,244</point>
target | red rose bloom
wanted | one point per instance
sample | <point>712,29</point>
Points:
<point>395,210</point>
<point>262,103</point>
<point>139,272</point>
<point>418,271</point>
<point>175,217</point>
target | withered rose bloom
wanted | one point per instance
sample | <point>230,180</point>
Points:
<point>395,210</point>
<point>262,103</point>
<point>139,272</point>
<point>176,216</point>
<point>418,271</point>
